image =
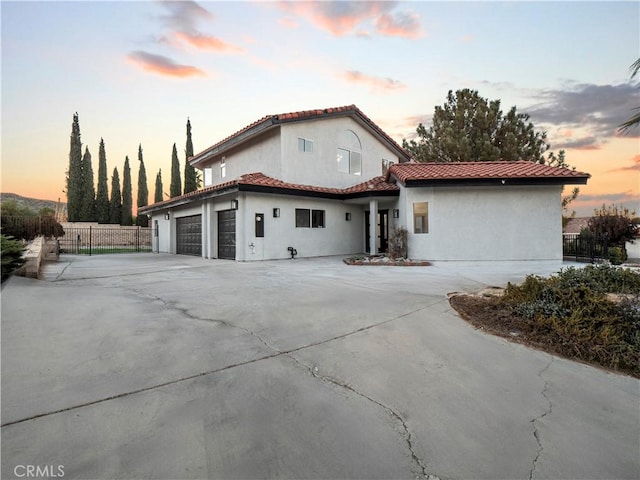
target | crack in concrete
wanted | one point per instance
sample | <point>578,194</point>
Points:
<point>533,421</point>
<point>392,413</point>
<point>276,353</point>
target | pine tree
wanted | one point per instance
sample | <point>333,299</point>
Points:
<point>175,188</point>
<point>87,212</point>
<point>102,196</point>
<point>143,190</point>
<point>127,195</point>
<point>157,194</point>
<point>115,205</point>
<point>190,179</point>
<point>74,174</point>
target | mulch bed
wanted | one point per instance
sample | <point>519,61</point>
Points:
<point>379,260</point>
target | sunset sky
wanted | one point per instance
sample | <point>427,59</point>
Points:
<point>135,71</point>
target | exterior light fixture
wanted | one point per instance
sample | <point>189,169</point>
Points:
<point>167,216</point>
<point>234,204</point>
<point>347,216</point>
<point>276,212</point>
<point>396,213</point>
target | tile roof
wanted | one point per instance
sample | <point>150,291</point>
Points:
<point>474,171</point>
<point>260,182</point>
<point>271,120</point>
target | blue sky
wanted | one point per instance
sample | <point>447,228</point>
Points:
<point>134,72</point>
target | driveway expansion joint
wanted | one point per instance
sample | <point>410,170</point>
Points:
<point>548,411</point>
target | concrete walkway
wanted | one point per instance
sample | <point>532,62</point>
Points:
<point>172,367</point>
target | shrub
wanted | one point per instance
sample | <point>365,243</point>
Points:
<point>28,228</point>
<point>397,247</point>
<point>572,312</point>
<point>11,255</point>
<point>617,255</point>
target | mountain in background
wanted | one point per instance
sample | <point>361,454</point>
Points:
<point>35,204</point>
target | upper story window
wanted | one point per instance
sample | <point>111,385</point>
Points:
<point>208,176</point>
<point>305,145</point>
<point>349,156</point>
<point>386,164</point>
<point>223,168</point>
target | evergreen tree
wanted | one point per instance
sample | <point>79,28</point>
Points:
<point>469,128</point>
<point>127,196</point>
<point>190,178</point>
<point>143,190</point>
<point>87,212</point>
<point>157,194</point>
<point>175,188</point>
<point>115,205</point>
<point>102,196</point>
<point>74,174</point>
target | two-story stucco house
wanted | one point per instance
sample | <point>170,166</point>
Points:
<point>310,180</point>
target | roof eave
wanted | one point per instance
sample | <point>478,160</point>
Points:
<point>234,141</point>
<point>486,182</point>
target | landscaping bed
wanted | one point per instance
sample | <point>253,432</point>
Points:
<point>383,260</point>
<point>590,314</point>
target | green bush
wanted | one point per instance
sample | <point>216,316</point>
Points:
<point>617,255</point>
<point>11,254</point>
<point>572,312</point>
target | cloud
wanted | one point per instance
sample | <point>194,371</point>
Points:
<point>288,22</point>
<point>347,18</point>
<point>596,109</point>
<point>627,196</point>
<point>163,65</point>
<point>635,166</point>
<point>401,24</point>
<point>376,83</point>
<point>207,42</point>
<point>183,15</point>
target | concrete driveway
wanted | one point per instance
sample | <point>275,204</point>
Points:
<point>172,367</point>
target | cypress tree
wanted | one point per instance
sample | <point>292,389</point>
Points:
<point>190,179</point>
<point>115,205</point>
<point>87,211</point>
<point>175,188</point>
<point>143,190</point>
<point>102,196</point>
<point>127,196</point>
<point>157,194</point>
<point>74,174</point>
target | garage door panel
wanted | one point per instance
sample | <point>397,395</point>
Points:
<point>227,234</point>
<point>189,235</point>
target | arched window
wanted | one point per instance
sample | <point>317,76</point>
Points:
<point>349,156</point>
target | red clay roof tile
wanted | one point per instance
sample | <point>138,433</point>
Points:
<point>481,170</point>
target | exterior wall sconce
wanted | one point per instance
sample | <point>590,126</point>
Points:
<point>234,204</point>
<point>347,216</point>
<point>276,212</point>
<point>396,213</point>
<point>167,216</point>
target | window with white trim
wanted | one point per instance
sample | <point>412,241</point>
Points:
<point>305,145</point>
<point>349,153</point>
<point>421,217</point>
<point>223,168</point>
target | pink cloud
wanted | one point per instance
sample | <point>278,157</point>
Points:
<point>163,65</point>
<point>288,22</point>
<point>402,24</point>
<point>347,17</point>
<point>207,42</point>
<point>375,83</point>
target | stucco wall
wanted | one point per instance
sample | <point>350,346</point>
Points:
<point>487,223</point>
<point>260,155</point>
<point>337,238</point>
<point>320,166</point>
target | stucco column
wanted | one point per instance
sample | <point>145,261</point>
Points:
<point>205,230</point>
<point>210,222</point>
<point>373,222</point>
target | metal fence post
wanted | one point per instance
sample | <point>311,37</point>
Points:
<point>90,240</point>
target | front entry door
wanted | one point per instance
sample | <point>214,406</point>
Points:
<point>382,231</point>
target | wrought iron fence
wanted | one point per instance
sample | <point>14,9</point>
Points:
<point>585,248</point>
<point>96,240</point>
